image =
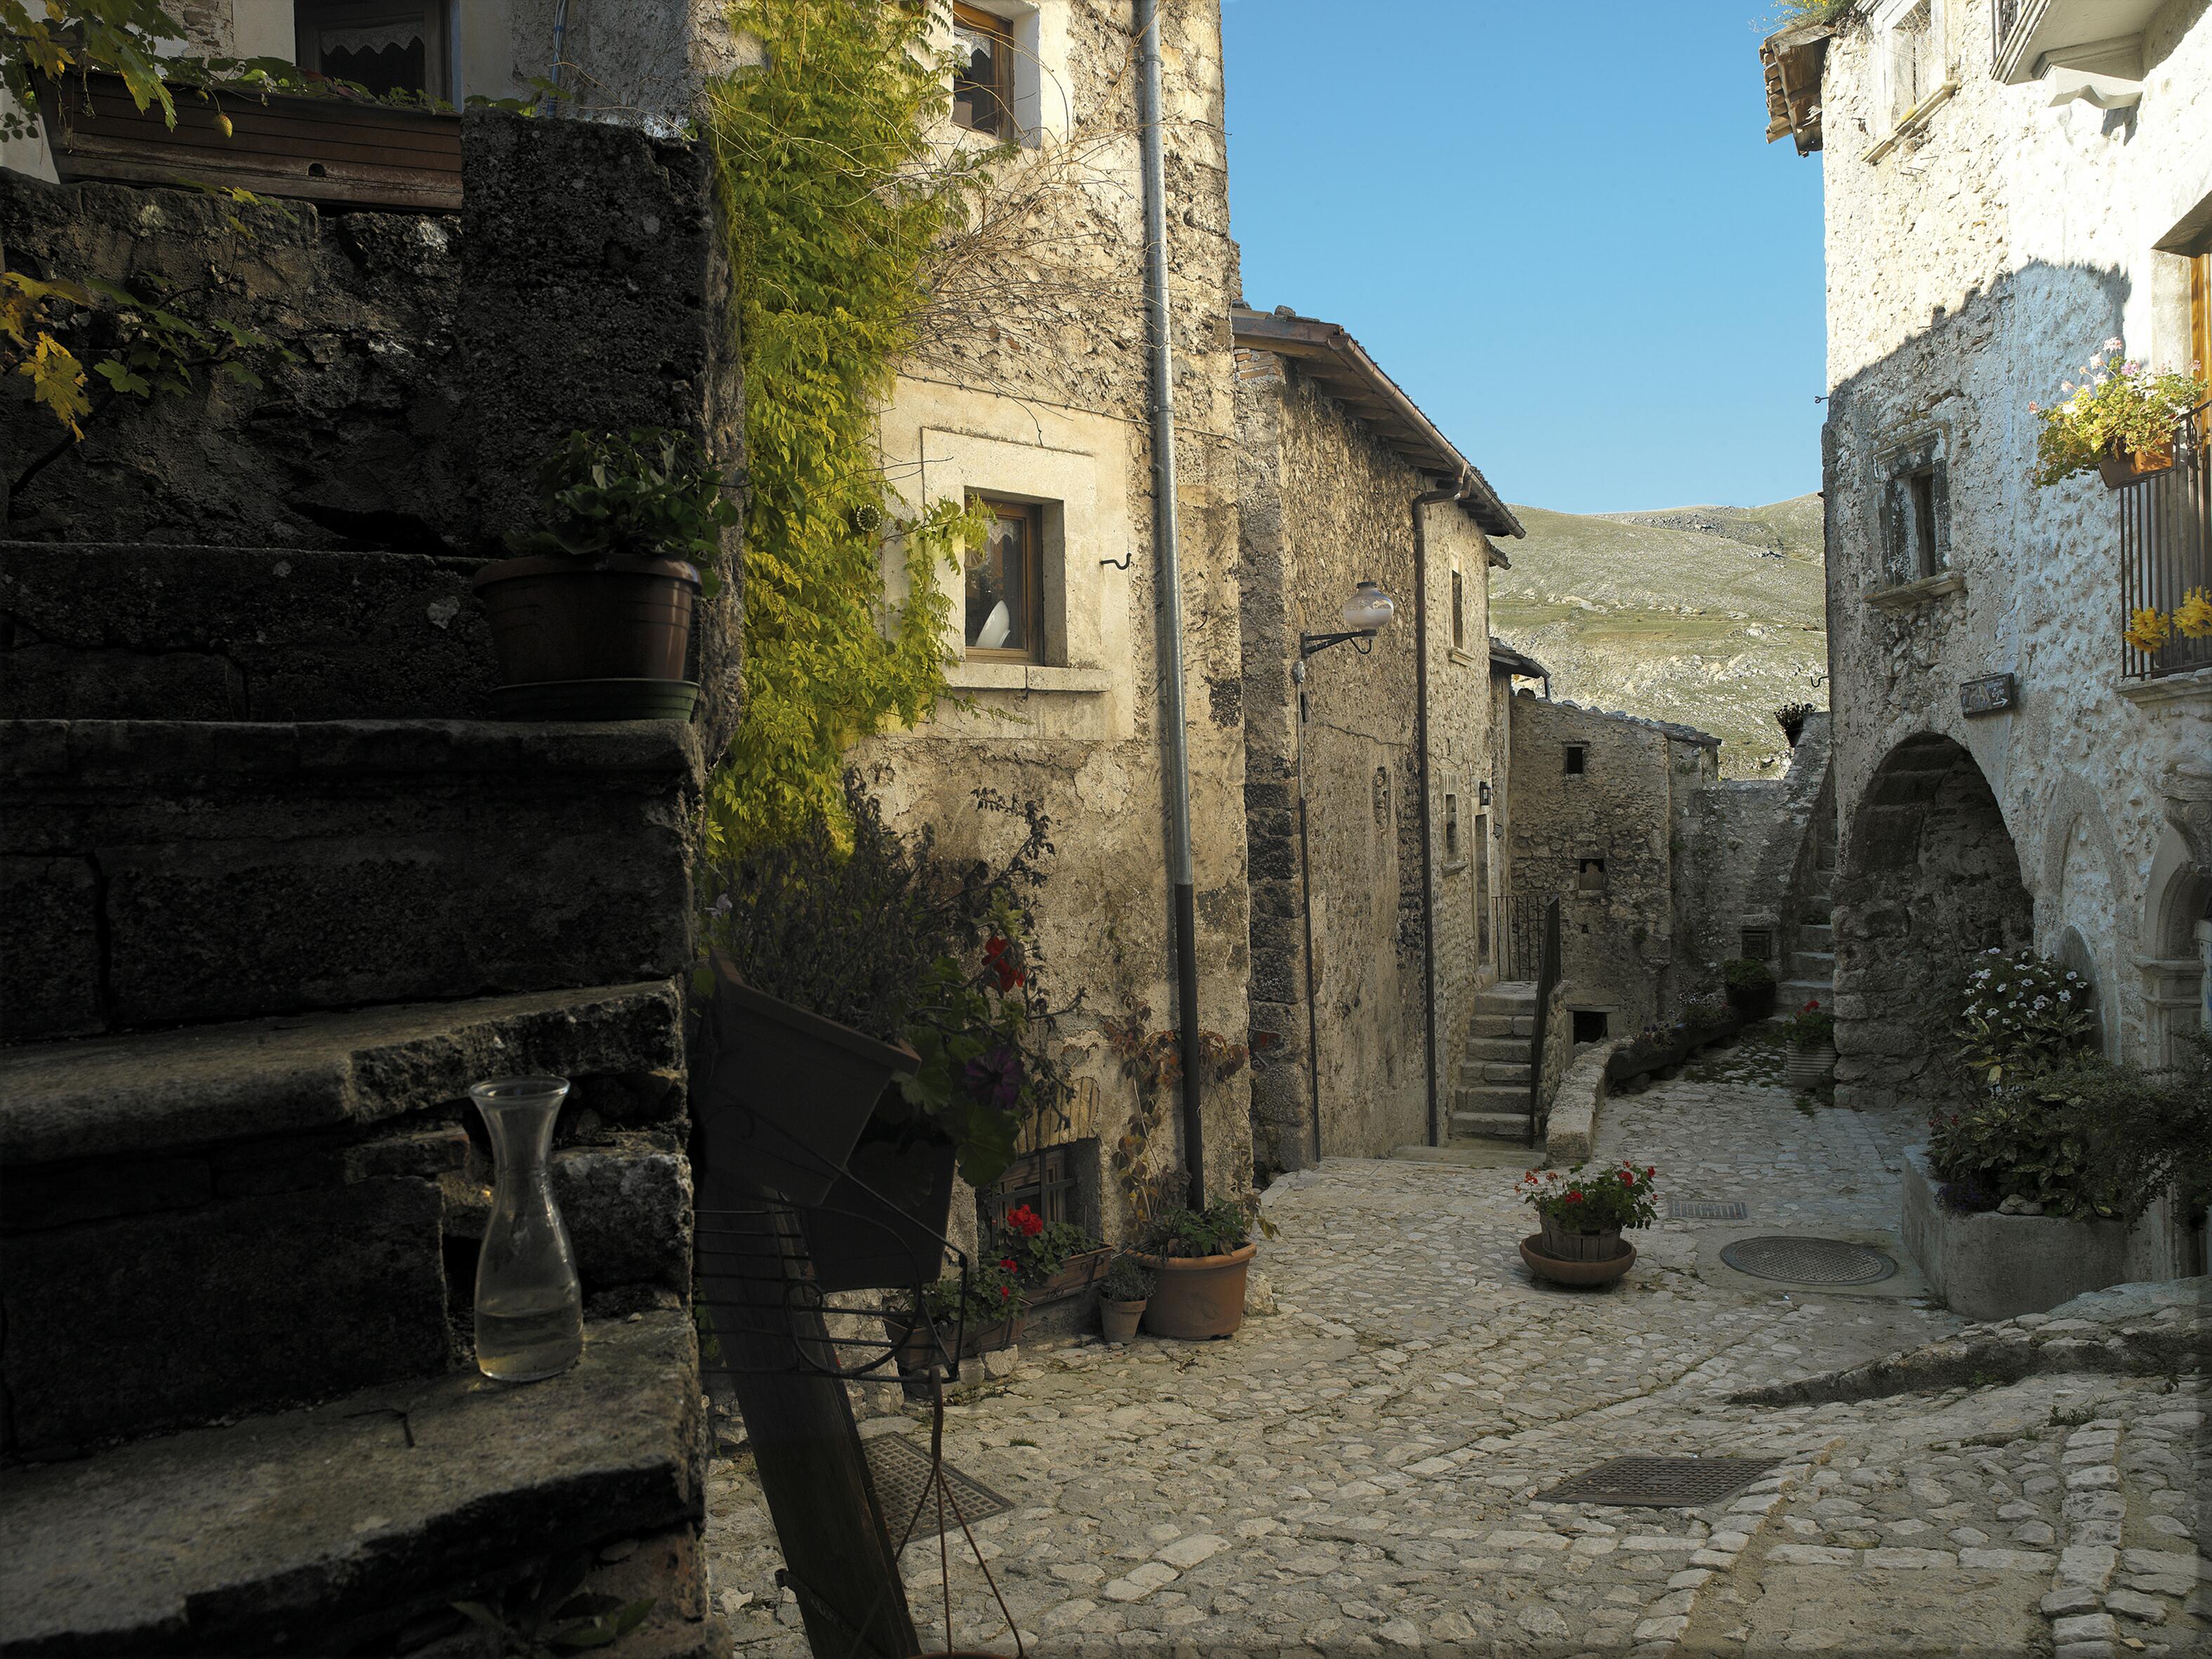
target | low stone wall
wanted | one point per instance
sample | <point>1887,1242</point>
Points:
<point>2000,1267</point>
<point>1570,1135</point>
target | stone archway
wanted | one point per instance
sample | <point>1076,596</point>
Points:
<point>1928,875</point>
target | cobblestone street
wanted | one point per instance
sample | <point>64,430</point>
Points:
<point>1361,1470</point>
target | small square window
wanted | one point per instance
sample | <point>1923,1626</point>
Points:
<point>1004,577</point>
<point>1759,944</point>
<point>1578,758</point>
<point>1589,1024</point>
<point>1451,826</point>
<point>1589,874</point>
<point>983,84</point>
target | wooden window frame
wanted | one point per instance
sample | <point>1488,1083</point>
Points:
<point>2200,315</point>
<point>1001,88</point>
<point>1032,514</point>
<point>1051,1182</point>
<point>309,17</point>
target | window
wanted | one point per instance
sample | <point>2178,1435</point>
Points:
<point>1916,508</point>
<point>1577,758</point>
<point>1005,578</point>
<point>1589,1024</point>
<point>1758,944</point>
<point>1590,875</point>
<point>982,84</point>
<point>1910,59</point>
<point>1459,610</point>
<point>1451,826</point>
<point>387,46</point>
<point>1482,886</point>
<point>1050,1182</point>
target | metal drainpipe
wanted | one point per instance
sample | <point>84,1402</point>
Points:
<point>1305,912</point>
<point>1175,779</point>
<point>1457,492</point>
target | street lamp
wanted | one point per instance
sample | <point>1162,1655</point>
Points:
<point>1366,613</point>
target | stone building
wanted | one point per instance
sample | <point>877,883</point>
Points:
<point>2007,188</point>
<point>1372,782</point>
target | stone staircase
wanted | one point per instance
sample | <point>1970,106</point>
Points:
<point>1812,973</point>
<point>256,948</point>
<point>1490,1101</point>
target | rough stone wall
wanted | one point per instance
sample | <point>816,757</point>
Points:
<point>1970,270</point>
<point>1744,842</point>
<point>1052,406</point>
<point>1617,927</point>
<point>1325,504</point>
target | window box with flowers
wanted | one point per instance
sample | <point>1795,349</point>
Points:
<point>1583,1217</point>
<point>1055,1259</point>
<point>2117,422</point>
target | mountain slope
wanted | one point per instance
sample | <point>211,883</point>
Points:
<point>1710,616</point>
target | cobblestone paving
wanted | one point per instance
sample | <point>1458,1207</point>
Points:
<point>1362,1471</point>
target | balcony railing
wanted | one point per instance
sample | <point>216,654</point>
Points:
<point>2005,17</point>
<point>2166,550</point>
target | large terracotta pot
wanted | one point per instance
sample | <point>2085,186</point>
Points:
<point>1197,1299</point>
<point>1575,1273</point>
<point>591,639</point>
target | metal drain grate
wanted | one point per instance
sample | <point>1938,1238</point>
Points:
<point>1809,1261</point>
<point>1704,1209</point>
<point>901,1471</point>
<point>1659,1483</point>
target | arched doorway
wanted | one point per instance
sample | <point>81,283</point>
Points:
<point>1928,875</point>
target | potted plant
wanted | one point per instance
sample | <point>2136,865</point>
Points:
<point>2118,421</point>
<point>1750,987</point>
<point>2015,1012</point>
<point>1123,1297</point>
<point>1811,1032</point>
<point>592,620</point>
<point>1791,718</point>
<point>1200,1258</point>
<point>981,1313</point>
<point>1058,1259</point>
<point>1583,1219</point>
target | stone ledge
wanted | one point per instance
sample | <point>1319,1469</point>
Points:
<point>1571,1130</point>
<point>2194,686</point>
<point>1899,595</point>
<point>1027,676</point>
<point>165,1090</point>
<point>315,1529</point>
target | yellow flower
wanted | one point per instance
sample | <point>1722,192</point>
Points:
<point>2147,631</point>
<point>2193,616</point>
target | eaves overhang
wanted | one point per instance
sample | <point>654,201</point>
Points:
<point>1795,60</point>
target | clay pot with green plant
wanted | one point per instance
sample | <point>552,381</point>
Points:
<point>592,620</point>
<point>1121,1298</point>
<point>1750,985</point>
<point>1582,1217</point>
<point>1201,1258</point>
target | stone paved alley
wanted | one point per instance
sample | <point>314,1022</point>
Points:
<point>1359,1471</point>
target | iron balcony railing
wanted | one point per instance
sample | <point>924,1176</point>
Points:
<point>2165,551</point>
<point>2005,16</point>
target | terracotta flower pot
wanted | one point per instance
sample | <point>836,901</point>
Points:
<point>1197,1299</point>
<point>786,1097</point>
<point>1806,1066</point>
<point>1561,1272</point>
<point>2120,467</point>
<point>1118,1320</point>
<point>591,639</point>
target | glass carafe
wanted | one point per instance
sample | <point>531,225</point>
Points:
<point>529,1307</point>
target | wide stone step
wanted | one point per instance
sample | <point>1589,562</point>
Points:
<point>107,632</point>
<point>327,1530</point>
<point>1503,1025</point>
<point>1491,1126</point>
<point>1816,964</point>
<point>1491,1097</point>
<point>1513,999</point>
<point>1815,936</point>
<point>159,872</point>
<point>226,1219</point>
<point>1479,1074</point>
<point>1793,994</point>
<point>1494,1048</point>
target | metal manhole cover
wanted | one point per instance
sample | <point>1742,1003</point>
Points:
<point>1704,1209</point>
<point>1659,1483</point>
<point>1809,1261</point>
<point>901,1471</point>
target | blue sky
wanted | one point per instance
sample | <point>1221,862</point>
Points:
<point>1559,228</point>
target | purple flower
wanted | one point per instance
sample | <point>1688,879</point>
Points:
<point>995,1079</point>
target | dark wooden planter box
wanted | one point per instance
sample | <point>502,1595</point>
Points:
<point>1073,1277</point>
<point>1669,1049</point>
<point>336,151</point>
<point>882,1226</point>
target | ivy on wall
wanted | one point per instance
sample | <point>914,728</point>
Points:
<point>834,198</point>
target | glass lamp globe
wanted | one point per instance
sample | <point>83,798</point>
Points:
<point>1369,610</point>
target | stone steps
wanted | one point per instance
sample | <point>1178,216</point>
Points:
<point>227,1219</point>
<point>159,872</point>
<point>1793,994</point>
<point>1488,1050</point>
<point>99,631</point>
<point>1492,1125</point>
<point>1503,1025</point>
<point>1474,1075</point>
<point>317,1530</point>
<point>1491,1097</point>
<point>1816,936</point>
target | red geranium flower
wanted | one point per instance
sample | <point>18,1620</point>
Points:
<point>1025,1221</point>
<point>998,962</point>
<point>1574,1198</point>
<point>1008,1263</point>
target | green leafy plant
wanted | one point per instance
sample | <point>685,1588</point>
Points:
<point>2119,406</point>
<point>2149,1129</point>
<point>834,197</point>
<point>2018,1013</point>
<point>649,492</point>
<point>1221,1227</point>
<point>1791,718</point>
<point>886,934</point>
<point>1746,973</point>
<point>1152,1061</point>
<point>994,1293</point>
<point>1040,1248</point>
<point>552,1613</point>
<point>1618,1197</point>
<point>1707,1012</point>
<point>2011,1143</point>
<point>1127,1280</point>
<point>1810,1027</point>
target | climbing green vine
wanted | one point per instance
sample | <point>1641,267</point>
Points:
<point>834,198</point>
